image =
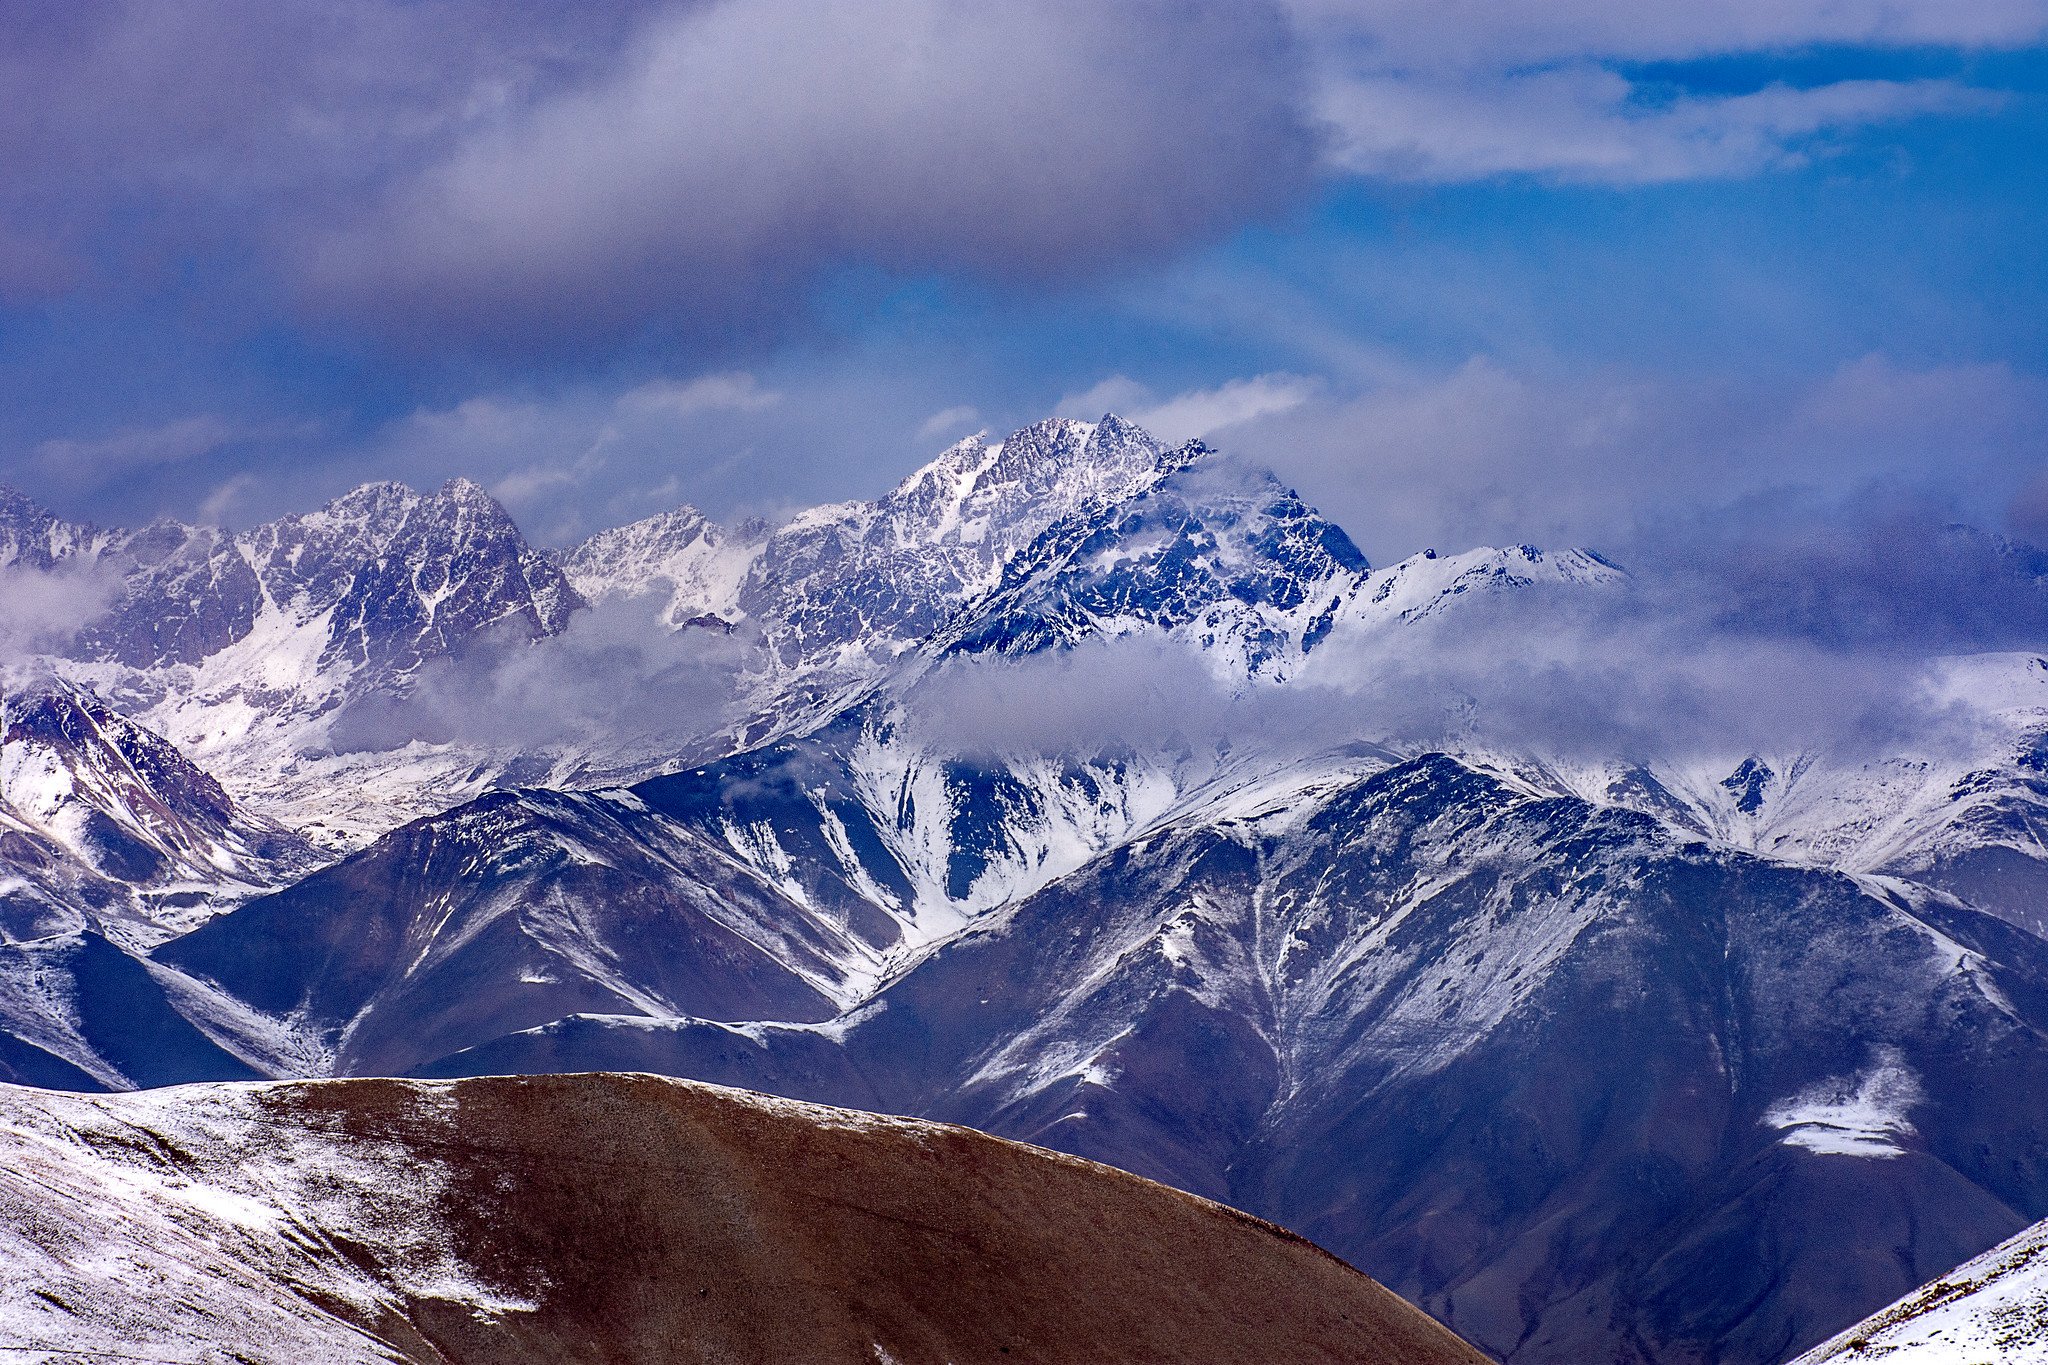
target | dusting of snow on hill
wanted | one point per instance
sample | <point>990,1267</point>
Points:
<point>1990,1311</point>
<point>518,1221</point>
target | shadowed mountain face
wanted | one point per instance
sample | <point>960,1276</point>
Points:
<point>78,1011</point>
<point>516,910</point>
<point>626,1219</point>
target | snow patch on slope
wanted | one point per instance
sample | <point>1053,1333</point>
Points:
<point>1863,1115</point>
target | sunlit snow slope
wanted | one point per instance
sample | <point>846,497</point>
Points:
<point>1991,1311</point>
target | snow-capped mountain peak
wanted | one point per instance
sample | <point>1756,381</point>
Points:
<point>1226,555</point>
<point>697,562</point>
<point>454,566</point>
<point>1287,963</point>
<point>1426,584</point>
<point>35,538</point>
<point>100,811</point>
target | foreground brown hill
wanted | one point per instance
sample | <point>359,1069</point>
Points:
<point>625,1218</point>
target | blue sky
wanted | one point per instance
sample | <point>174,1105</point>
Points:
<point>1559,272</point>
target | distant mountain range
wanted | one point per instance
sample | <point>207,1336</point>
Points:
<point>1033,796</point>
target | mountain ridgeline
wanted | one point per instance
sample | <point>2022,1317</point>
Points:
<point>1037,799</point>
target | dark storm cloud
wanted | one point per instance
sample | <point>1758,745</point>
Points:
<point>503,171</point>
<point>462,172</point>
<point>740,149</point>
<point>134,131</point>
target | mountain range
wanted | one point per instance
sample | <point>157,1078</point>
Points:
<point>1050,793</point>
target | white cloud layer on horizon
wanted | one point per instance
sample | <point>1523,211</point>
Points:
<point>1489,454</point>
<point>1651,672</point>
<point>1506,34</point>
<point>1584,124</point>
<point>1481,453</point>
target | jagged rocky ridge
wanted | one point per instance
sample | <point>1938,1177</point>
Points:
<point>624,1218</point>
<point>244,650</point>
<point>264,657</point>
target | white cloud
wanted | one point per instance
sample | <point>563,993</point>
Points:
<point>1506,34</point>
<point>526,487</point>
<point>1119,394</point>
<point>1424,90</point>
<point>1651,668</point>
<point>184,439</point>
<point>1583,123</point>
<point>947,420</point>
<point>584,456</point>
<point>734,392</point>
<point>1203,412</point>
<point>1487,454</point>
<point>618,671</point>
<point>214,510</point>
<point>1195,413</point>
<point>75,465</point>
<point>40,609</point>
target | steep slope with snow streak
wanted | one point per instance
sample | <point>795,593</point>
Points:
<point>104,823</point>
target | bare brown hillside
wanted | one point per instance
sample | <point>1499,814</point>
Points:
<point>625,1218</point>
